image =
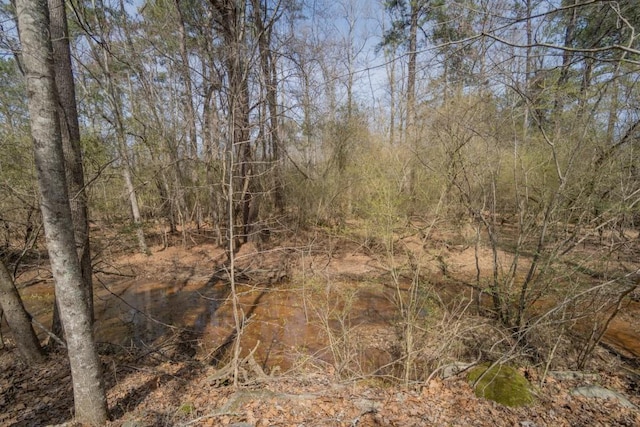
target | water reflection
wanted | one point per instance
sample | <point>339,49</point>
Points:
<point>277,317</point>
<point>283,319</point>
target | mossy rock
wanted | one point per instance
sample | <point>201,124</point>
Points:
<point>502,384</point>
<point>187,408</point>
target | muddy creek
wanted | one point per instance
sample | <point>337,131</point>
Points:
<point>278,320</point>
<point>171,304</point>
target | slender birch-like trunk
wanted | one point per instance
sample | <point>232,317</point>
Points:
<point>88,388</point>
<point>70,128</point>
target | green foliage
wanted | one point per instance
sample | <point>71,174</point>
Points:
<point>502,384</point>
<point>104,189</point>
<point>187,408</point>
<point>599,25</point>
<point>13,108</point>
<point>380,197</point>
<point>453,21</point>
<point>328,194</point>
<point>18,190</point>
<point>400,11</point>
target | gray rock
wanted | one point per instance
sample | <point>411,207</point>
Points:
<point>574,375</point>
<point>527,424</point>
<point>594,391</point>
<point>453,369</point>
<point>241,425</point>
<point>65,424</point>
<point>367,405</point>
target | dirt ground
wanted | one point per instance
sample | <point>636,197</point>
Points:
<point>185,393</point>
<point>163,362</point>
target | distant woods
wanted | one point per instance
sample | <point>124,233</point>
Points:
<point>503,106</point>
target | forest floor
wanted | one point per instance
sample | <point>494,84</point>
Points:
<point>164,328</point>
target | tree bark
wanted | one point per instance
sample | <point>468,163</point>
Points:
<point>123,152</point>
<point>269,79</point>
<point>70,128</point>
<point>18,319</point>
<point>88,389</point>
<point>187,98</point>
<point>410,131</point>
<point>231,19</point>
<point>411,68</point>
<point>567,55</point>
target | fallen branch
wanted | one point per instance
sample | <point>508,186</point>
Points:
<point>226,372</point>
<point>49,333</point>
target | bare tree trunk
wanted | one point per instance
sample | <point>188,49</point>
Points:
<point>391,77</point>
<point>411,68</point>
<point>89,396</point>
<point>410,132</point>
<point>269,76</point>
<point>189,113</point>
<point>188,209</point>
<point>232,21</point>
<point>213,162</point>
<point>567,55</point>
<point>528,69</point>
<point>167,202</point>
<point>102,56</point>
<point>114,96</point>
<point>70,128</point>
<point>135,209</point>
<point>18,319</point>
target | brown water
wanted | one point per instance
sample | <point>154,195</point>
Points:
<point>624,335</point>
<point>283,319</point>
